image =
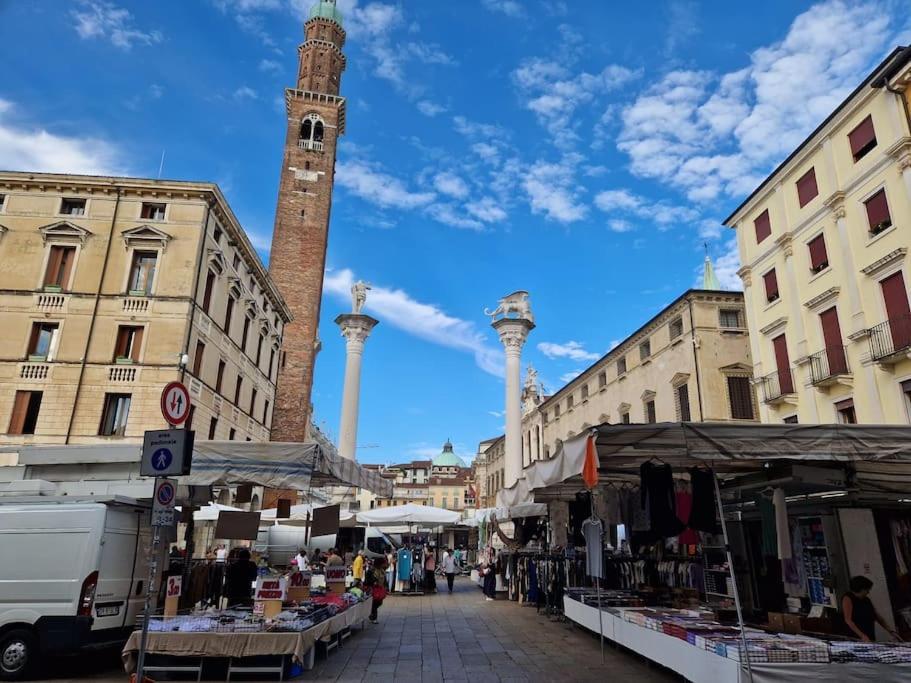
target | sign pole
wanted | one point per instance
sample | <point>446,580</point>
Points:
<point>146,612</point>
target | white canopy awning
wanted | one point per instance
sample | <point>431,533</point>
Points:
<point>408,514</point>
<point>209,513</point>
<point>301,513</point>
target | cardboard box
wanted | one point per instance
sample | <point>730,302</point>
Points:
<point>793,623</point>
<point>776,621</point>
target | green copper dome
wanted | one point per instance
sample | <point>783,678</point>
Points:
<point>447,458</point>
<point>326,9</point>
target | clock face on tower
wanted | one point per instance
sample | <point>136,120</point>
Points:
<point>315,120</point>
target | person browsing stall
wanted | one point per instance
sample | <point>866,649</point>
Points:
<point>859,613</point>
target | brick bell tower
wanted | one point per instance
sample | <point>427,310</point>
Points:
<point>316,119</point>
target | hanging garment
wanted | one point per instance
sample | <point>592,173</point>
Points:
<point>403,563</point>
<point>684,507</point>
<point>767,519</point>
<point>781,525</point>
<point>593,531</point>
<point>704,513</point>
<point>660,496</point>
<point>559,520</point>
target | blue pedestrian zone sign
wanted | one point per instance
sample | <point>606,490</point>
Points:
<point>166,453</point>
<point>161,460</point>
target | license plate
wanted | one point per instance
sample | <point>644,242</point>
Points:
<point>108,611</point>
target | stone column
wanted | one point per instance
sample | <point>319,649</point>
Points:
<point>355,329</point>
<point>513,333</point>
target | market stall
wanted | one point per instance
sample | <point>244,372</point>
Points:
<point>694,575</point>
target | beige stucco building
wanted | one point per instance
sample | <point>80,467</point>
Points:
<point>824,243</point>
<point>112,287</point>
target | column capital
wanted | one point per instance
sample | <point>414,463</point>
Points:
<point>356,327</point>
<point>786,244</point>
<point>513,332</point>
<point>746,275</point>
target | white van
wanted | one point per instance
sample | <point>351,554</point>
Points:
<point>281,542</point>
<point>73,575</point>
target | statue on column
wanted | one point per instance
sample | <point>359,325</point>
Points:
<point>517,303</point>
<point>359,296</point>
<point>531,378</point>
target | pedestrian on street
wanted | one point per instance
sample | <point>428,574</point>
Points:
<point>449,568</point>
<point>430,567</point>
<point>490,576</point>
<point>390,571</point>
<point>378,587</point>
<point>333,559</point>
<point>358,566</point>
<point>239,578</point>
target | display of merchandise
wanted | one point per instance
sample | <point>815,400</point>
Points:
<point>815,561</point>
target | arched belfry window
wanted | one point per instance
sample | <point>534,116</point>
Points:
<point>311,135</point>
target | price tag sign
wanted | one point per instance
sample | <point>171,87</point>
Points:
<point>259,608</point>
<point>271,589</point>
<point>336,574</point>
<point>174,587</point>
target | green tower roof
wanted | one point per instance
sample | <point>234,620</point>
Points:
<point>326,9</point>
<point>447,458</point>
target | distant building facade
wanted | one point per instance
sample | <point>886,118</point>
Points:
<point>112,287</point>
<point>824,244</point>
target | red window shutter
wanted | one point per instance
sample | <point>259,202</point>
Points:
<point>895,297</point>
<point>137,343</point>
<point>783,363</point>
<point>120,348</point>
<point>878,212</point>
<point>862,139</point>
<point>54,261</point>
<point>771,285</point>
<point>68,255</point>
<point>20,408</point>
<point>207,294</point>
<point>831,334</point>
<point>819,259</point>
<point>806,187</point>
<point>763,226</point>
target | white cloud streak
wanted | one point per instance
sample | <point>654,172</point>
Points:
<point>106,21</point>
<point>572,349</point>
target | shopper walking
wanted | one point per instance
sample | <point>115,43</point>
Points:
<point>358,566</point>
<point>378,587</point>
<point>490,576</point>
<point>449,568</point>
<point>430,567</point>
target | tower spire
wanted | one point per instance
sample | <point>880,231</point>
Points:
<point>709,279</point>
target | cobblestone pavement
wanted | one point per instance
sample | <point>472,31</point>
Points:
<point>442,637</point>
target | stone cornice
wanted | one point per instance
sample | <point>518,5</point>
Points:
<point>878,266</point>
<point>821,300</point>
<point>774,326</point>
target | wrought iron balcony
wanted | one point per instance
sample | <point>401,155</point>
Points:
<point>776,385</point>
<point>890,339</point>
<point>828,365</point>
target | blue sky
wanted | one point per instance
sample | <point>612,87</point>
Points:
<point>582,150</point>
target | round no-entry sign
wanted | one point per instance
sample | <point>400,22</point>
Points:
<point>175,403</point>
<point>165,494</point>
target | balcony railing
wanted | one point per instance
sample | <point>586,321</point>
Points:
<point>828,364</point>
<point>310,144</point>
<point>776,385</point>
<point>890,338</point>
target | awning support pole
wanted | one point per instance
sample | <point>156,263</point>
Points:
<point>591,499</point>
<point>727,549</point>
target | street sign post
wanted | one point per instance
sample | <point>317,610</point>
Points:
<point>175,403</point>
<point>166,453</point>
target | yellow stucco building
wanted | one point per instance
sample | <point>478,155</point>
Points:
<point>824,246</point>
<point>112,287</point>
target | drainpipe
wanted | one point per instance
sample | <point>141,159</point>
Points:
<point>199,259</point>
<point>689,303</point>
<point>88,340</point>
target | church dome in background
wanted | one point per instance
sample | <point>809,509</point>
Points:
<point>326,9</point>
<point>447,458</point>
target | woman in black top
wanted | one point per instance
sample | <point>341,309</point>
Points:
<point>239,579</point>
<point>858,611</point>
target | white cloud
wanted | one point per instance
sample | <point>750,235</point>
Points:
<point>373,185</point>
<point>431,109</point>
<point>681,25</point>
<point>450,184</point>
<point>572,349</point>
<point>247,5</point>
<point>450,215</point>
<point>245,92</point>
<point>711,134</point>
<point>425,321</point>
<point>511,8</point>
<point>269,65</point>
<point>32,148</point>
<point>497,413</point>
<point>107,21</point>
<point>552,191</point>
<point>488,210</point>
<point>568,377</point>
<point>430,53</point>
<point>614,343</point>
<point>620,225</point>
<point>662,213</point>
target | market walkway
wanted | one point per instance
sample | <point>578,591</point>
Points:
<point>460,637</point>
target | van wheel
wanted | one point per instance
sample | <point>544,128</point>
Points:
<point>17,652</point>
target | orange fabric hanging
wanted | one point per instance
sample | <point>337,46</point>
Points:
<point>590,467</point>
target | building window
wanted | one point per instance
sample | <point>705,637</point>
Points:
<point>878,217</point>
<point>740,394</point>
<point>556,410</point>
<point>229,313</point>
<point>624,418</point>
<point>197,358</point>
<point>650,412</point>
<point>72,206</point>
<point>783,364</point>
<point>584,391</point>
<point>142,272</point>
<point>231,434</point>
<point>862,139</point>
<point>266,405</point>
<point>220,376</point>
<point>683,403</point>
<point>845,411</point>
<point>26,407</point>
<point>59,266</point>
<point>771,286</point>
<point>819,258</point>
<point>115,414</point>
<point>253,393</point>
<point>244,334</point>
<point>570,402</point>
<point>128,344</point>
<point>213,425</point>
<point>237,388</point>
<point>236,262</point>
<point>790,420</point>
<point>602,379</point>
<point>207,295</point>
<point>729,318</point>
<point>2,202</point>
<point>763,226</point>
<point>152,211</point>
<point>259,349</point>
<point>621,366</point>
<point>271,361</point>
<point>42,344</point>
<point>216,235</point>
<point>675,327</point>
<point>645,349</point>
